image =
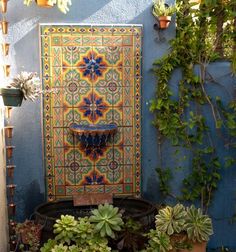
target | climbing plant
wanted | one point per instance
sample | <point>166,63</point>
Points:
<point>205,32</point>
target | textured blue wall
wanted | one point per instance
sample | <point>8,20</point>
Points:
<point>29,174</point>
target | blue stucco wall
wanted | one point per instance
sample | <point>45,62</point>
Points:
<point>29,174</point>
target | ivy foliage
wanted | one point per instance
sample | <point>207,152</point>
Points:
<point>205,33</point>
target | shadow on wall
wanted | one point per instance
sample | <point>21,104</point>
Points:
<point>28,197</point>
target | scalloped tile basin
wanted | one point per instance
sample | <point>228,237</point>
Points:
<point>94,135</point>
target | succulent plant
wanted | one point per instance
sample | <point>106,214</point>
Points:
<point>28,83</point>
<point>171,220</point>
<point>158,241</point>
<point>198,225</point>
<point>66,229</point>
<point>107,219</point>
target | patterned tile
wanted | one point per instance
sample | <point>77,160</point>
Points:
<point>96,71</point>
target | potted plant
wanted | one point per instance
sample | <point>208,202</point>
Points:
<point>180,228</point>
<point>29,234</point>
<point>63,6</point>
<point>87,233</point>
<point>163,12</point>
<point>25,85</point>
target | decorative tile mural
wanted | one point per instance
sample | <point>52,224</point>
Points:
<point>95,72</point>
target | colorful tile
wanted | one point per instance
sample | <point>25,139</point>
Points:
<point>95,71</point>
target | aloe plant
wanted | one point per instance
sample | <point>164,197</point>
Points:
<point>171,220</point>
<point>107,219</point>
<point>160,8</point>
<point>198,226</point>
<point>158,242</point>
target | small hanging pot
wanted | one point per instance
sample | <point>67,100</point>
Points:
<point>44,3</point>
<point>10,171</point>
<point>9,150</point>
<point>12,227</point>
<point>4,5</point>
<point>164,21</point>
<point>12,97</point>
<point>11,190</point>
<point>4,25</point>
<point>5,49</point>
<point>6,70</point>
<point>9,131</point>
<point>13,244</point>
<point>8,111</point>
<point>12,209</point>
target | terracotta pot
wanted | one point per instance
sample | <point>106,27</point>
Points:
<point>9,151</point>
<point>197,247</point>
<point>11,190</point>
<point>6,70</point>
<point>10,171</point>
<point>164,21</point>
<point>11,209</point>
<point>12,227</point>
<point>4,25</point>
<point>44,3</point>
<point>4,5</point>
<point>13,244</point>
<point>5,48</point>
<point>8,112</point>
<point>9,131</point>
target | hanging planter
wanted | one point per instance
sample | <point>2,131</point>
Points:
<point>10,171</point>
<point>9,151</point>
<point>12,96</point>
<point>163,12</point>
<point>4,5</point>
<point>4,25</point>
<point>5,48</point>
<point>164,22</point>
<point>9,131</point>
<point>44,3</point>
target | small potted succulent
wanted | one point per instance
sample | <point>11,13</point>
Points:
<point>29,235</point>
<point>180,228</point>
<point>63,5</point>
<point>25,85</point>
<point>163,12</point>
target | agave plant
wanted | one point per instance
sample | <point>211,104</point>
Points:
<point>198,225</point>
<point>29,84</point>
<point>171,220</point>
<point>158,241</point>
<point>107,219</point>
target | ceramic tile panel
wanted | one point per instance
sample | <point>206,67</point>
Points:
<point>95,72</point>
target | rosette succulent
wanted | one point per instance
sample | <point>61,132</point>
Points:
<point>107,219</point>
<point>171,220</point>
<point>158,241</point>
<point>198,226</point>
<point>28,83</point>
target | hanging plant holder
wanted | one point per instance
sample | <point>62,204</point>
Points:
<point>9,151</point>
<point>5,48</point>
<point>11,189</point>
<point>12,97</point>
<point>4,25</point>
<point>4,5</point>
<point>12,209</point>
<point>9,131</point>
<point>44,3</point>
<point>10,171</point>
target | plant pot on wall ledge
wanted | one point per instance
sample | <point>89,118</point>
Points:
<point>44,3</point>
<point>11,96</point>
<point>164,21</point>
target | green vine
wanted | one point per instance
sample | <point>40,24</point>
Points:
<point>204,34</point>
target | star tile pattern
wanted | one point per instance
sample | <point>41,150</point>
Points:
<point>96,71</point>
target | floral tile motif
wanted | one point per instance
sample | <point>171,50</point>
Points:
<point>96,70</point>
